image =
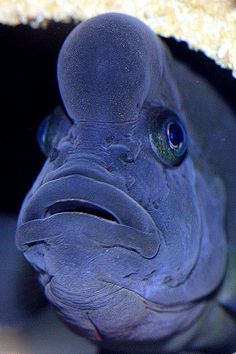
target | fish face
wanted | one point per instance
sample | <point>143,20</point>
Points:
<point>124,228</point>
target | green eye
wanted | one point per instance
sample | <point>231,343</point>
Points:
<point>168,137</point>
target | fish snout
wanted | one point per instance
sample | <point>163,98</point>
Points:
<point>80,233</point>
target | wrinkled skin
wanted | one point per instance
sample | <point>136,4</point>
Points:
<point>148,273</point>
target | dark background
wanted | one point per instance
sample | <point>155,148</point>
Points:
<point>28,92</point>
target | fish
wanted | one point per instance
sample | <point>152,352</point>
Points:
<point>131,222</point>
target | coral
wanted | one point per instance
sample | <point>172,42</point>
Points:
<point>206,25</point>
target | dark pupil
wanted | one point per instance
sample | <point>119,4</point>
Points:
<point>175,135</point>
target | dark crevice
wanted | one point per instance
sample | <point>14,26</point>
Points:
<point>28,93</point>
<point>221,79</point>
<point>84,207</point>
<point>98,333</point>
<point>35,243</point>
<point>130,275</point>
<point>149,275</point>
<point>128,248</point>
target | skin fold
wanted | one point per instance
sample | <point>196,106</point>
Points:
<point>130,242</point>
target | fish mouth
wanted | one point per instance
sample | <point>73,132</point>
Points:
<point>82,194</point>
<point>87,201</point>
<point>81,207</point>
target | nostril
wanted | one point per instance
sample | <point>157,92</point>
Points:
<point>81,206</point>
<point>127,157</point>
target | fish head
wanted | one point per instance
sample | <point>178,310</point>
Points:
<point>125,229</point>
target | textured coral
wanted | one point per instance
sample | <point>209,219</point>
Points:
<point>206,25</point>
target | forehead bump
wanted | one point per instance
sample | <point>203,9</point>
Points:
<point>104,68</point>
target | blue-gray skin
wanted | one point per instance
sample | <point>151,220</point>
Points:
<point>125,226</point>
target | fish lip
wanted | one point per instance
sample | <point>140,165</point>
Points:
<point>86,168</point>
<point>76,187</point>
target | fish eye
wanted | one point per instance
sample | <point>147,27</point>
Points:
<point>175,135</point>
<point>42,136</point>
<point>168,137</point>
<point>52,129</point>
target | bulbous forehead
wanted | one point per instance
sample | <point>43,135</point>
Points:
<point>105,68</point>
